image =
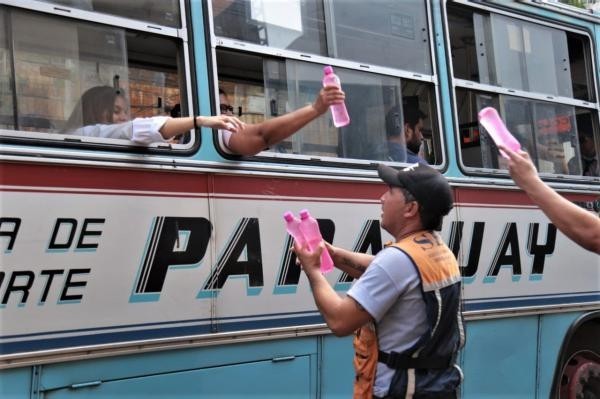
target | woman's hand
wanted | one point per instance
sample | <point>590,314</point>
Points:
<point>224,122</point>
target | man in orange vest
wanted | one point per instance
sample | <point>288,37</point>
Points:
<point>405,307</point>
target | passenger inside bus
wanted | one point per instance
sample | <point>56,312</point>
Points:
<point>589,157</point>
<point>103,111</point>
<point>404,139</point>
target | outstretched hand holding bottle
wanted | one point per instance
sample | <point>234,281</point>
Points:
<point>338,111</point>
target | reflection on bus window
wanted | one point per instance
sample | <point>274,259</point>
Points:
<point>57,60</point>
<point>266,87</point>
<point>378,35</point>
<point>161,12</point>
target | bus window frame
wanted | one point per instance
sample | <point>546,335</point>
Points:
<point>535,96</point>
<point>91,144</point>
<point>225,43</point>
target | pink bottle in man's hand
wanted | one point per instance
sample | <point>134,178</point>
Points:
<point>292,225</point>
<point>490,120</point>
<point>310,229</point>
<point>338,111</point>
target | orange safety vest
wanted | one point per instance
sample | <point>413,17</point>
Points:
<point>437,267</point>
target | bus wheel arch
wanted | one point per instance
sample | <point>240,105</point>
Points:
<point>578,367</point>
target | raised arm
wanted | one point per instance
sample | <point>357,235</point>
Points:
<point>253,138</point>
<point>579,225</point>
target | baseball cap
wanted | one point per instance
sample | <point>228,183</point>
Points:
<point>427,185</point>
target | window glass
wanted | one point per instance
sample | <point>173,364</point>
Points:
<point>558,137</point>
<point>79,78</point>
<point>507,52</point>
<point>7,120</point>
<point>380,107</point>
<point>529,57</point>
<point>383,33</point>
<point>161,12</point>
<point>292,24</point>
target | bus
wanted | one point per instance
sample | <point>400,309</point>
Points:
<point>163,269</point>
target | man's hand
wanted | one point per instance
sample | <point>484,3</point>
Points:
<point>310,261</point>
<point>521,168</point>
<point>327,96</point>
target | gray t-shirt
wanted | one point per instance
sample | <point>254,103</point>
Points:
<point>390,290</point>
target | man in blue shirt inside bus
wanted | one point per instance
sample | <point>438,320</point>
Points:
<point>404,139</point>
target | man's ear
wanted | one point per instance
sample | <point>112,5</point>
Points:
<point>412,209</point>
<point>407,129</point>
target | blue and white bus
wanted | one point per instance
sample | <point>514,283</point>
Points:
<point>162,270</point>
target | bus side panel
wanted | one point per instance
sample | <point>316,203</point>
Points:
<point>337,371</point>
<point>15,383</point>
<point>279,352</point>
<point>285,379</point>
<point>553,328</point>
<point>500,358</point>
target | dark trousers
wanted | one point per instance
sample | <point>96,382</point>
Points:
<point>441,395</point>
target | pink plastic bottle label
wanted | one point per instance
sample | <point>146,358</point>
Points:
<point>493,124</point>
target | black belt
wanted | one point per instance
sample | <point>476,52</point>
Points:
<point>398,361</point>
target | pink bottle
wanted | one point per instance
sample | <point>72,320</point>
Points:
<point>292,225</point>
<point>310,229</point>
<point>490,120</point>
<point>338,111</point>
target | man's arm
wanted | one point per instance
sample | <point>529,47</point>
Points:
<point>253,138</point>
<point>579,225</point>
<point>353,263</point>
<point>343,315</point>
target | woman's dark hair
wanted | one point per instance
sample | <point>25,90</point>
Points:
<point>95,106</point>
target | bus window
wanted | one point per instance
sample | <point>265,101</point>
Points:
<point>162,12</point>
<point>358,31</point>
<point>73,78</point>
<point>389,33</point>
<point>265,87</point>
<point>293,24</point>
<point>530,62</point>
<point>558,137</point>
<point>7,120</point>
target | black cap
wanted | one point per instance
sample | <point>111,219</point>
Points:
<point>427,185</point>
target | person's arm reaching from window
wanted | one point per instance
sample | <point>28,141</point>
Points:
<point>579,225</point>
<point>176,126</point>
<point>253,138</point>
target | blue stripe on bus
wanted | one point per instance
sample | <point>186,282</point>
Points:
<point>95,336</point>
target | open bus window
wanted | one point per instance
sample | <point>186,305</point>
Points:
<point>58,61</point>
<point>266,87</point>
<point>162,12</point>
<point>516,54</point>
<point>559,138</point>
<point>380,34</point>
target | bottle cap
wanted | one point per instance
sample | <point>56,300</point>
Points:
<point>288,216</point>
<point>327,70</point>
<point>304,214</point>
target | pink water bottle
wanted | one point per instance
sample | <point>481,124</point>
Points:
<point>338,111</point>
<point>292,225</point>
<point>310,229</point>
<point>490,120</point>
